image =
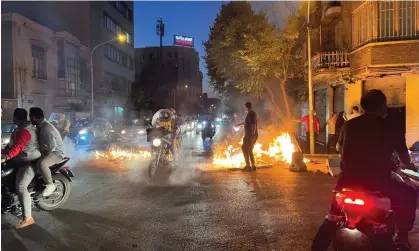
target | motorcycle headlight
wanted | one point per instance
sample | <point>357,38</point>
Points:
<point>236,128</point>
<point>212,126</point>
<point>156,142</point>
<point>123,132</point>
<point>199,126</point>
<point>141,132</point>
<point>204,122</point>
<point>84,131</point>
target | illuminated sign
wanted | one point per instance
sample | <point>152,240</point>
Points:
<point>183,41</point>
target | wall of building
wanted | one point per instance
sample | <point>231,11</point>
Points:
<point>8,89</point>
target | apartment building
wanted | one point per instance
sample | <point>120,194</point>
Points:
<point>41,67</point>
<point>93,23</point>
<point>366,45</point>
<point>177,81</point>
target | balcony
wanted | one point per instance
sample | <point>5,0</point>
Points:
<point>333,59</point>
<point>330,10</point>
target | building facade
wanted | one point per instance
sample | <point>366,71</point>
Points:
<point>41,67</point>
<point>93,23</point>
<point>176,78</point>
<point>361,46</point>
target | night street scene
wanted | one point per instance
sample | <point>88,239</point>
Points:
<point>210,125</point>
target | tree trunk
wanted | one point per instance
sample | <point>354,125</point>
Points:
<point>272,97</point>
<point>285,97</point>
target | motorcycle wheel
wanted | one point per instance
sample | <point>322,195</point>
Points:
<point>154,163</point>
<point>59,196</point>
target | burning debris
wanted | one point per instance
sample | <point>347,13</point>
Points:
<point>279,150</point>
<point>120,154</point>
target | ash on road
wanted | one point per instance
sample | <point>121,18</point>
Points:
<point>117,208</point>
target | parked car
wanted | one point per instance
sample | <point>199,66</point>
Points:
<point>6,130</point>
<point>135,129</point>
<point>84,131</point>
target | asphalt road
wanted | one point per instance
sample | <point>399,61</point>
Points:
<point>114,206</point>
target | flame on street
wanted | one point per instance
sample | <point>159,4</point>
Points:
<point>120,154</point>
<point>279,149</point>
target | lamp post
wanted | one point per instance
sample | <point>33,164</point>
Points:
<point>310,84</point>
<point>121,38</point>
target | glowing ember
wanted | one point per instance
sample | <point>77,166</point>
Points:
<point>280,149</point>
<point>119,154</point>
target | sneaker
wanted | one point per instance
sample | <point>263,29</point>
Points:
<point>246,168</point>
<point>25,222</point>
<point>49,189</point>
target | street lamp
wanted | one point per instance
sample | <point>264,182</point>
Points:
<point>186,86</point>
<point>121,38</point>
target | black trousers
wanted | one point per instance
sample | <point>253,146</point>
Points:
<point>247,149</point>
<point>331,142</point>
<point>403,198</point>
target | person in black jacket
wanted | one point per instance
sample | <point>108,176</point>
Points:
<point>368,143</point>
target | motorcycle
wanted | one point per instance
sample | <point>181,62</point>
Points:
<point>208,131</point>
<point>61,176</point>
<point>368,221</point>
<point>161,149</point>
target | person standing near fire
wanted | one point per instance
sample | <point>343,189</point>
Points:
<point>316,126</point>
<point>333,135</point>
<point>250,136</point>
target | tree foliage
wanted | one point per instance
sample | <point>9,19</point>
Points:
<point>245,52</point>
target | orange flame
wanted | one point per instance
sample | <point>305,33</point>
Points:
<point>279,149</point>
<point>120,154</point>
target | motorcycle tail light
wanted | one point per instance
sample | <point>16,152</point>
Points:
<point>358,202</point>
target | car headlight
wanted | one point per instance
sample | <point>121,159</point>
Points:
<point>84,131</point>
<point>123,132</point>
<point>199,126</point>
<point>141,132</point>
<point>156,142</point>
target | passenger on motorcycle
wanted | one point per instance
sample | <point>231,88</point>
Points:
<point>22,149</point>
<point>368,143</point>
<point>51,146</point>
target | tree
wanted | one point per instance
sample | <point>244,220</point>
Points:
<point>245,52</point>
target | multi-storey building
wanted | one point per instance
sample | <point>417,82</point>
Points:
<point>92,23</point>
<point>41,67</point>
<point>176,79</point>
<point>359,46</point>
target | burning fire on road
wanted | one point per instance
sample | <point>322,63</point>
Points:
<point>280,149</point>
<point>120,154</point>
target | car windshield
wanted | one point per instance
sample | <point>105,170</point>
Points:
<point>81,123</point>
<point>8,128</point>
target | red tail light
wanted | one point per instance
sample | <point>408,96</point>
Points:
<point>358,202</point>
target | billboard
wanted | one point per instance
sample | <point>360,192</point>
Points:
<point>183,41</point>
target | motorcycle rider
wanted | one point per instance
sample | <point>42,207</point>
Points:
<point>167,119</point>
<point>51,146</point>
<point>22,149</point>
<point>368,144</point>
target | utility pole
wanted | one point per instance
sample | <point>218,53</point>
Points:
<point>160,33</point>
<point>310,84</point>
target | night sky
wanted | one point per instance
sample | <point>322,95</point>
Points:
<point>182,18</point>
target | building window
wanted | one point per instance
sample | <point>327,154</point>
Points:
<point>114,27</point>
<point>118,56</point>
<point>176,55</point>
<point>119,83</point>
<point>123,9</point>
<point>376,21</point>
<point>61,59</point>
<point>39,64</point>
<point>72,70</point>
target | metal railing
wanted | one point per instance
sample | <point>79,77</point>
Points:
<point>336,59</point>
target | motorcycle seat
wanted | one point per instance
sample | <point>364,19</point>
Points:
<point>59,163</point>
<point>375,193</point>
